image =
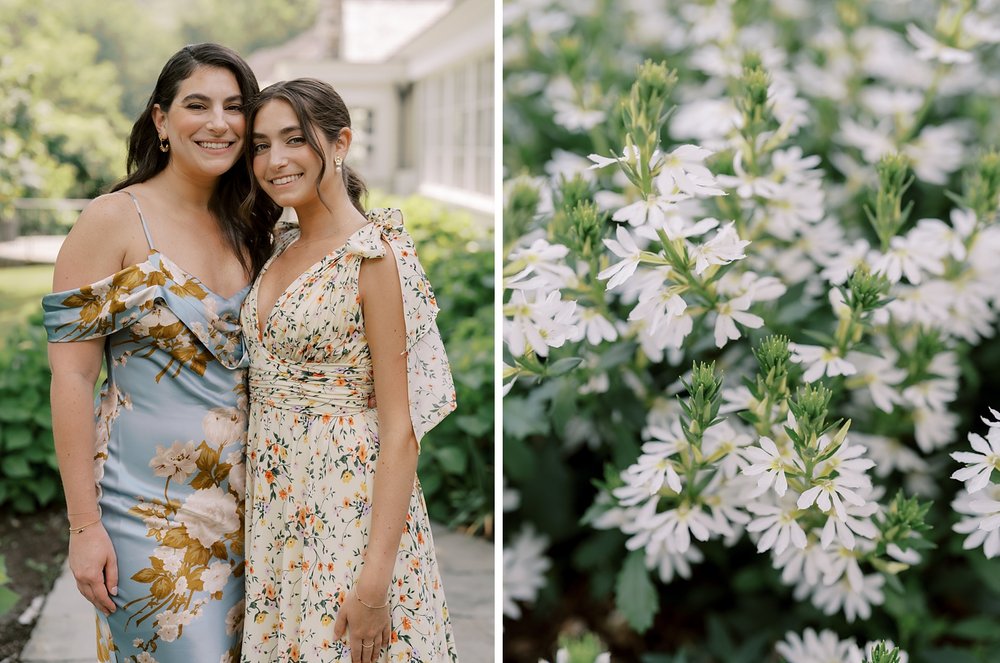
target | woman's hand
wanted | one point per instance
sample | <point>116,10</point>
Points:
<point>94,565</point>
<point>368,628</point>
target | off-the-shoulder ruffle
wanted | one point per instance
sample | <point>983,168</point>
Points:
<point>126,297</point>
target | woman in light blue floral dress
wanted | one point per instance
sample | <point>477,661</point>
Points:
<point>347,373</point>
<point>155,481</point>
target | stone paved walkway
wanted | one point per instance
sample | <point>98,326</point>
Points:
<point>64,632</point>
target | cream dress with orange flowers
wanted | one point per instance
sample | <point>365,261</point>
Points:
<point>312,452</point>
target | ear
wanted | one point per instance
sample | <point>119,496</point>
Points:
<point>159,119</point>
<point>343,143</point>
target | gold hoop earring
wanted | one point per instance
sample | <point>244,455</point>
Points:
<point>164,144</point>
<point>339,161</point>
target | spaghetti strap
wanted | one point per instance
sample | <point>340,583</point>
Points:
<point>142,220</point>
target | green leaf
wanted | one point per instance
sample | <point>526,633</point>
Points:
<point>635,595</point>
<point>977,628</point>
<point>16,437</point>
<point>16,467</point>
<point>563,366</point>
<point>8,599</point>
<point>13,413</point>
<point>475,426</point>
<point>452,459</point>
<point>523,417</point>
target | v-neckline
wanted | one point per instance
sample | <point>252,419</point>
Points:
<point>260,322</point>
<point>191,277</point>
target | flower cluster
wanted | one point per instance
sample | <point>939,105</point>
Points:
<point>793,195</point>
<point>979,501</point>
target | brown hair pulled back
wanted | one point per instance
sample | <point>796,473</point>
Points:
<point>316,105</point>
<point>248,234</point>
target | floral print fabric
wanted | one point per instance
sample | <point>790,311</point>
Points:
<point>168,459</point>
<point>312,453</point>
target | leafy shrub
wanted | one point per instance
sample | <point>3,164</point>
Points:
<point>29,473</point>
<point>456,461</point>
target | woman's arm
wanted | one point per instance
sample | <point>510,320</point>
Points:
<point>385,328</point>
<point>93,250</point>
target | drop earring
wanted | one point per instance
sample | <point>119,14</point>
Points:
<point>338,161</point>
<point>164,144</point>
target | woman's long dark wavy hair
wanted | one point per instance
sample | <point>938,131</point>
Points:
<point>248,234</point>
<point>316,105</point>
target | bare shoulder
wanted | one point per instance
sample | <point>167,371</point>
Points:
<point>105,234</point>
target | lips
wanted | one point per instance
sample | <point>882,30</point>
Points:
<point>285,179</point>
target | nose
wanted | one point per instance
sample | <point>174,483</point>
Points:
<point>277,156</point>
<point>217,121</point>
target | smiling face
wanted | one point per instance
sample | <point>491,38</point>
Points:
<point>285,165</point>
<point>205,123</point>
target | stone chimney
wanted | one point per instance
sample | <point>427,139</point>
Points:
<point>330,24</point>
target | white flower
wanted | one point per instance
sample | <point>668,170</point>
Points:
<point>145,657</point>
<point>669,563</point>
<point>215,576</point>
<point>543,260</point>
<point>722,249</point>
<point>658,306</point>
<point>820,361</point>
<point>728,313</point>
<point>224,426</point>
<point>854,601</point>
<point>673,527</point>
<point>644,478</point>
<point>629,153</point>
<point>524,568</point>
<point>979,466</point>
<point>929,48</point>
<point>168,623</point>
<point>830,494</point>
<point>683,171</point>
<point>172,558</point>
<point>778,524</point>
<point>978,535</point>
<point>593,326</point>
<point>209,514</point>
<point>812,647</point>
<point>177,462</point>
<point>910,258</point>
<point>542,322</point>
<point>769,461</point>
<point>880,375</point>
<point>625,248</point>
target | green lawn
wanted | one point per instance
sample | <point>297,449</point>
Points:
<point>21,289</point>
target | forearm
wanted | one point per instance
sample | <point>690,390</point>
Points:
<point>392,491</point>
<point>74,430</point>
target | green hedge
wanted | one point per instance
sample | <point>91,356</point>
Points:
<point>456,461</point>
<point>29,474</point>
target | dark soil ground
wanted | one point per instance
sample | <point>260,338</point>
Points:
<point>34,547</point>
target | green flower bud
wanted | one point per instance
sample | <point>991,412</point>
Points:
<point>888,216</point>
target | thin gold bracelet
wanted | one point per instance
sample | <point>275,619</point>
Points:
<point>77,530</point>
<point>367,605</point>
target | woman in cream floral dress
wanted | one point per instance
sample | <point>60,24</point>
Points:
<point>347,372</point>
<point>155,485</point>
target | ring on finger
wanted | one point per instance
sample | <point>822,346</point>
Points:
<point>366,645</point>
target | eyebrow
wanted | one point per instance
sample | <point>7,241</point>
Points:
<point>197,96</point>
<point>283,132</point>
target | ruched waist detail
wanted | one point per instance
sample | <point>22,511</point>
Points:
<point>315,388</point>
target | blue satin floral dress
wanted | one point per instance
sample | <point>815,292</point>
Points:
<point>312,451</point>
<point>169,457</point>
